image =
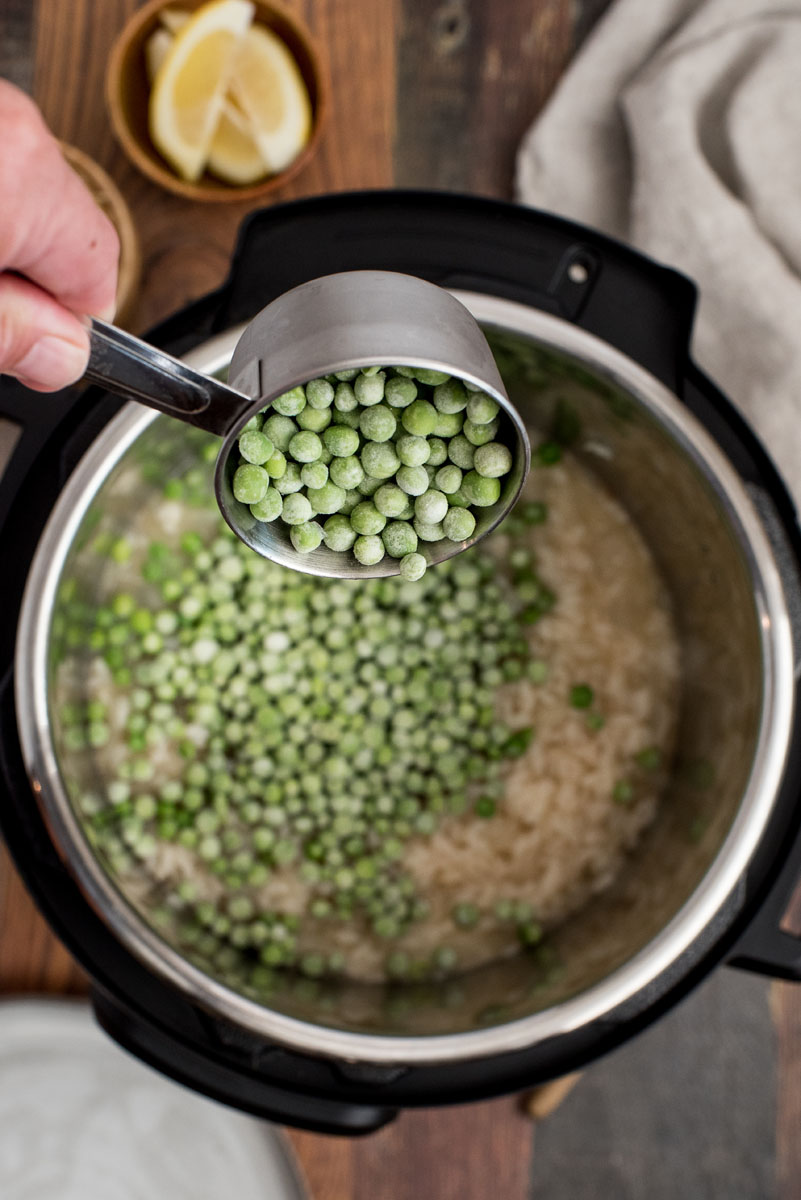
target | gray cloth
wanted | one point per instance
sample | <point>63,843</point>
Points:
<point>678,129</point>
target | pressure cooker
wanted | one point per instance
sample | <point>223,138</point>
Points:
<point>710,879</point>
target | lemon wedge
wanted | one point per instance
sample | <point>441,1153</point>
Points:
<point>267,85</point>
<point>188,91</point>
<point>157,47</point>
<point>174,19</point>
<point>233,154</point>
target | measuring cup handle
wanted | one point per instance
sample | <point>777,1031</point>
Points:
<point>134,369</point>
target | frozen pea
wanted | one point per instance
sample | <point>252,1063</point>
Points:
<point>346,472</point>
<point>479,435</point>
<point>348,419</point>
<point>412,451</point>
<point>314,474</point>
<point>448,478</point>
<point>290,481</point>
<point>325,456</point>
<point>390,500</point>
<point>369,389</point>
<point>430,377</point>
<point>366,519</point>
<point>368,486</point>
<point>448,425</point>
<point>319,393</point>
<point>338,533</point>
<point>412,480</point>
<point>250,483</point>
<point>378,423</point>
<point>368,550</point>
<point>458,499</point>
<point>412,567</point>
<point>492,460</point>
<point>296,510</point>
<point>399,539</point>
<point>400,392</point>
<point>348,374</point>
<point>428,531</point>
<point>269,507</point>
<point>345,398</point>
<point>280,430</point>
<point>450,396</point>
<point>419,418</point>
<point>342,441</point>
<point>291,403</point>
<point>352,498</point>
<point>431,507</point>
<point>479,490</point>
<point>481,408</point>
<point>327,499</point>
<point>306,537</point>
<point>407,513</point>
<point>275,465</point>
<point>461,452</point>
<point>459,524</point>
<point>379,459</point>
<point>438,452</point>
<point>315,419</point>
<point>305,446</point>
<point>370,370</point>
<point>255,447</point>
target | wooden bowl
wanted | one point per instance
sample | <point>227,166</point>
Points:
<point>128,90</point>
<point>107,195</point>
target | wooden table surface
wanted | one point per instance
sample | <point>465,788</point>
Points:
<point>437,93</point>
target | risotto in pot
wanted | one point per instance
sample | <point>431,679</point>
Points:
<point>370,779</point>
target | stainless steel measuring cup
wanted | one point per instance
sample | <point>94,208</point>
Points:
<point>335,323</point>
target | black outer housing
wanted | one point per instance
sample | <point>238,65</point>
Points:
<point>641,308</point>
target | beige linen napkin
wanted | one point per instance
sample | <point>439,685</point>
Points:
<point>678,129</point>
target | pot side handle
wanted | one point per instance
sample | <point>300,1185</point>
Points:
<point>248,1091</point>
<point>765,947</point>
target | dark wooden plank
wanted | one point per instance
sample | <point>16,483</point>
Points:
<point>588,14</point>
<point>31,957</point>
<point>469,1152</point>
<point>471,78</point>
<point>327,1164</point>
<point>17,19</point>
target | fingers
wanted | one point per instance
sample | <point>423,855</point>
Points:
<point>41,343</point>
<point>51,230</point>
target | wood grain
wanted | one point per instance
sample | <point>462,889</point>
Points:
<point>426,93</point>
<point>186,248</point>
<point>468,1152</point>
<point>31,957</point>
<point>471,78</point>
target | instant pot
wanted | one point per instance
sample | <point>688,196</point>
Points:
<point>592,340</point>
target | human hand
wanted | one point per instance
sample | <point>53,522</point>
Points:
<point>58,253</point>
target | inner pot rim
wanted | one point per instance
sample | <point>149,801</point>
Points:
<point>621,985</point>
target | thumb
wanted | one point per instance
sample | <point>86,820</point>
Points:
<point>41,343</point>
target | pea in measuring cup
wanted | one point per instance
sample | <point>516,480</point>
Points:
<point>345,329</point>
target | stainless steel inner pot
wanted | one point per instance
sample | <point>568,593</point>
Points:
<point>736,714</point>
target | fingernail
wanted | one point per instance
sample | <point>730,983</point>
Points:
<point>107,314</point>
<point>52,362</point>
